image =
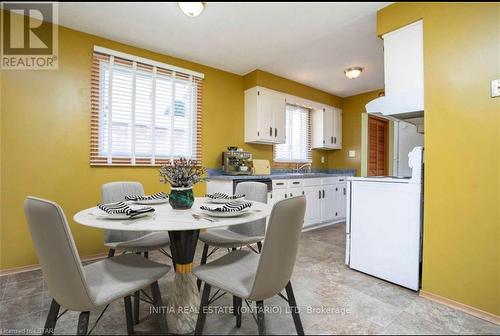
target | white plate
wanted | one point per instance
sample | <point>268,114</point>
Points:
<point>224,200</point>
<point>225,214</point>
<point>103,215</point>
<point>152,202</point>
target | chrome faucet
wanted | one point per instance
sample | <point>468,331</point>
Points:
<point>298,169</point>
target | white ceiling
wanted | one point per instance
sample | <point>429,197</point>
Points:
<point>311,43</point>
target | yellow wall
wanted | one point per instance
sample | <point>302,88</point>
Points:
<point>45,129</point>
<point>270,81</point>
<point>45,139</point>
<point>353,107</point>
<point>461,216</point>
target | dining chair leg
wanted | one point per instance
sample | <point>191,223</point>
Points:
<point>50,322</point>
<point>259,246</point>
<point>111,253</point>
<point>261,322</point>
<point>234,297</point>
<point>160,309</point>
<point>202,313</point>
<point>137,302</point>
<point>202,262</point>
<point>83,323</point>
<point>128,315</point>
<point>293,308</point>
<point>239,303</point>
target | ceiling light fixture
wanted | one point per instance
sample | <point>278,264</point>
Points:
<point>353,73</point>
<point>192,9</point>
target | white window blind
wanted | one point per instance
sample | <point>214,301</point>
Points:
<point>143,114</point>
<point>297,147</point>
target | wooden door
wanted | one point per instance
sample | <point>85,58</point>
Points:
<point>378,146</point>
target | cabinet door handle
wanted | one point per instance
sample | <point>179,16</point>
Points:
<point>319,194</point>
<point>270,131</point>
<point>303,192</point>
<point>275,132</point>
<point>336,189</point>
<point>323,193</point>
<point>334,140</point>
<point>331,139</point>
<point>344,191</point>
<point>286,195</point>
<point>291,195</point>
<point>296,182</point>
<point>280,183</point>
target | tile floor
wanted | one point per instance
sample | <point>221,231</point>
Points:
<point>333,298</point>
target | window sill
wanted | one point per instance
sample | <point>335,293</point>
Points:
<point>291,161</point>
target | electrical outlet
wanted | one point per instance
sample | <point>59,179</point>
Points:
<point>322,159</point>
<point>495,88</point>
<point>352,154</point>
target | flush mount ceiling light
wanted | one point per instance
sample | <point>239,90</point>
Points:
<point>192,9</point>
<point>353,73</point>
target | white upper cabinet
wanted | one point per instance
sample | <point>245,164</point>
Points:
<point>327,128</point>
<point>403,74</point>
<point>404,61</point>
<point>264,116</point>
<point>337,128</point>
<point>265,119</point>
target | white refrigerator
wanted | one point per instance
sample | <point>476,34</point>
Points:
<point>384,225</point>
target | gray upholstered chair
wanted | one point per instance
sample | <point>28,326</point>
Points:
<point>139,241</point>
<point>131,241</point>
<point>238,235</point>
<point>257,277</point>
<point>88,288</point>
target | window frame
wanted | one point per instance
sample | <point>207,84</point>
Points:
<point>100,156</point>
<point>308,159</point>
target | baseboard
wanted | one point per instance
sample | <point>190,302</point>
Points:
<point>462,307</point>
<point>34,267</point>
<point>322,225</point>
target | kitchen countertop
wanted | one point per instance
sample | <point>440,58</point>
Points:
<point>216,174</point>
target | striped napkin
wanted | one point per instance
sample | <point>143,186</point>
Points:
<point>219,195</point>
<point>157,196</point>
<point>123,208</point>
<point>228,207</point>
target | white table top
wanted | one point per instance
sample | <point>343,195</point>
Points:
<point>167,219</point>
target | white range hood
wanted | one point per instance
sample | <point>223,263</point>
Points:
<point>403,75</point>
<point>399,106</point>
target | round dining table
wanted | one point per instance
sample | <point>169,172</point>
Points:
<point>183,227</point>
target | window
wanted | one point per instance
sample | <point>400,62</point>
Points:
<point>143,112</point>
<point>297,147</point>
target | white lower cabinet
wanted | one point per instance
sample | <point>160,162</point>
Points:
<point>328,203</point>
<point>324,196</point>
<point>292,192</point>
<point>313,208</point>
<point>278,195</point>
<point>340,200</point>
